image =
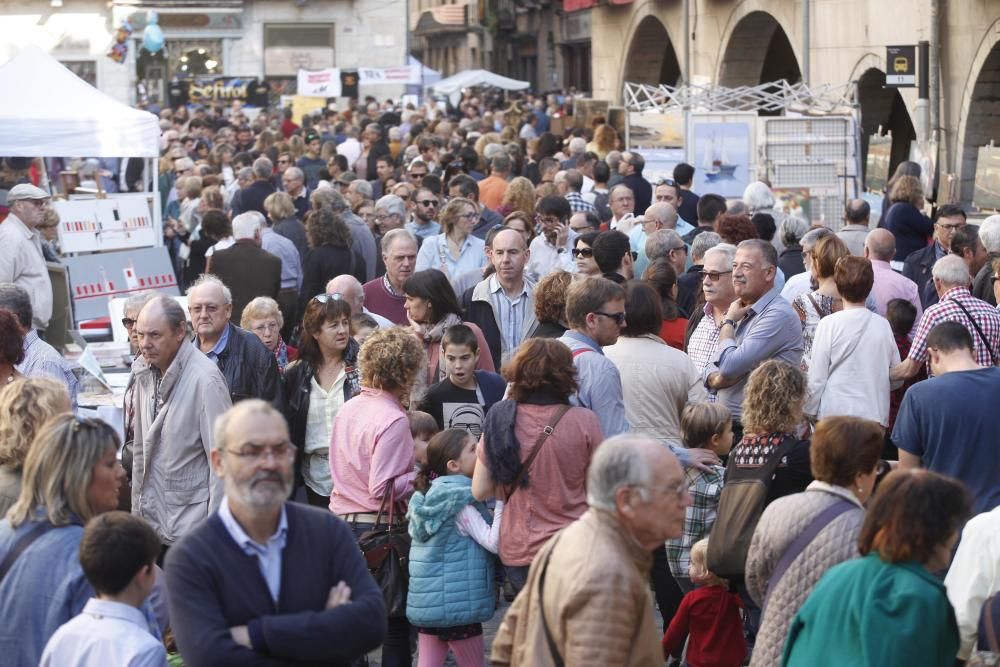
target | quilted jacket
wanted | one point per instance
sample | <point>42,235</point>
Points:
<point>780,524</point>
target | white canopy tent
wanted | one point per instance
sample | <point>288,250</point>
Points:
<point>50,112</point>
<point>453,85</point>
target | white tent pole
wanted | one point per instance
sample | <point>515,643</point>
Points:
<point>157,212</point>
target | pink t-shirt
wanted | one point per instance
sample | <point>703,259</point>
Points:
<point>370,444</point>
<point>557,482</point>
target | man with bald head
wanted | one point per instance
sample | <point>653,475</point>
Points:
<point>658,216</point>
<point>879,249</point>
<point>855,229</point>
<point>503,305</point>
<point>178,394</point>
<point>354,294</point>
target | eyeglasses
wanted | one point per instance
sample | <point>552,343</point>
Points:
<point>128,322</point>
<point>619,318</point>
<point>428,203</point>
<point>949,228</point>
<point>586,253</point>
<point>468,216</point>
<point>382,218</point>
<point>417,175</point>
<point>547,220</point>
<point>713,275</point>
<point>679,247</point>
<point>326,298</point>
<point>256,452</point>
<point>266,327</point>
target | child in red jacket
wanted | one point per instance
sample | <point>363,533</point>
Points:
<point>710,614</point>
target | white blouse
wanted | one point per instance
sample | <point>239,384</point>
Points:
<point>323,407</point>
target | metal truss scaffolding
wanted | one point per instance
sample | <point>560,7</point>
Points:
<point>776,96</point>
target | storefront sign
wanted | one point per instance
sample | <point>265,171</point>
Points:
<point>319,83</point>
<point>218,89</point>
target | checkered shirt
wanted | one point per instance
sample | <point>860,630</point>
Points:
<point>578,204</point>
<point>705,489</point>
<point>947,310</point>
<point>704,342</point>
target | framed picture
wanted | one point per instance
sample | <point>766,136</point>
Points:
<point>877,162</point>
<point>986,195</point>
<point>653,129</point>
<point>720,147</point>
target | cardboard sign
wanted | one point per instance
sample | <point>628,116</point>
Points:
<point>94,225</point>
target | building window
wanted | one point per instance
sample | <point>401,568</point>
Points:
<point>291,47</point>
<point>85,69</point>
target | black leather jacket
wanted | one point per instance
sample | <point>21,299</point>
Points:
<point>297,382</point>
<point>250,369</point>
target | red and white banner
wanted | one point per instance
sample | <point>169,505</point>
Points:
<point>319,83</point>
<point>408,74</point>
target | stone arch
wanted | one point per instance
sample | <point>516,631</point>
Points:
<point>651,57</point>
<point>757,50</point>
<point>979,118</point>
<point>883,108</point>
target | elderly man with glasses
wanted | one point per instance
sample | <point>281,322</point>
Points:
<point>22,261</point>
<point>265,580</point>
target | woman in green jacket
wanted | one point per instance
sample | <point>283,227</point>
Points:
<point>887,609</point>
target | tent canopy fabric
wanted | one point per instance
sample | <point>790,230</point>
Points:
<point>476,77</point>
<point>50,112</point>
<point>428,76</point>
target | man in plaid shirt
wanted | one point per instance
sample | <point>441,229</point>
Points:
<point>951,280</point>
<point>573,180</point>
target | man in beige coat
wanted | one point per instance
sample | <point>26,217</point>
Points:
<point>587,595</point>
<point>178,394</point>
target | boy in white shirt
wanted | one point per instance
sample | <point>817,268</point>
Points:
<point>118,554</point>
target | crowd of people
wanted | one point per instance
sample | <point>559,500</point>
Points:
<point>436,356</point>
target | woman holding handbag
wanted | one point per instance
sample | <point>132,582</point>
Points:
<point>801,536</point>
<point>372,459</point>
<point>535,452</point>
<point>852,353</point>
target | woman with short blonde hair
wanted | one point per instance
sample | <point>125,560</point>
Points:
<point>263,317</point>
<point>279,206</point>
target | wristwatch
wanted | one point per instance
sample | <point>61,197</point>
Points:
<point>729,322</point>
<point>560,250</point>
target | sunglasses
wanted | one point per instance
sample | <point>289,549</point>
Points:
<point>586,253</point>
<point>417,175</point>
<point>619,318</point>
<point>326,298</point>
<point>713,275</point>
<point>128,322</point>
<point>428,203</point>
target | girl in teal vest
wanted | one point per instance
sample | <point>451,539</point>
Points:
<point>451,567</point>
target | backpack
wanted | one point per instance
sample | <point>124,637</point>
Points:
<point>743,498</point>
<point>987,653</point>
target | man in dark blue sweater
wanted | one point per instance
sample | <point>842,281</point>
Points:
<point>264,581</point>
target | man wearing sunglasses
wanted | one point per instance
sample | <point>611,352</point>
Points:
<point>22,261</point>
<point>423,223</point>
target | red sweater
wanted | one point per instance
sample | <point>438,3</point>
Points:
<point>379,300</point>
<point>711,615</point>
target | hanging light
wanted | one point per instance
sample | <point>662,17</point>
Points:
<point>210,64</point>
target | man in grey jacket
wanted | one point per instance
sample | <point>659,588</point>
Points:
<point>178,394</point>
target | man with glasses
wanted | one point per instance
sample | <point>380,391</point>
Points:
<point>759,325</point>
<point>917,266</point>
<point>717,286</point>
<point>249,368</point>
<point>179,392</point>
<point>551,250</point>
<point>265,580</point>
<point>423,223</point>
<point>595,312</point>
<point>630,168</point>
<point>22,261</point>
<point>418,169</point>
<point>284,162</point>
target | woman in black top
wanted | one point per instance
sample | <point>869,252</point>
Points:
<point>329,255</point>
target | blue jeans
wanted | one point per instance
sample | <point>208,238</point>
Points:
<point>396,649</point>
<point>517,575</point>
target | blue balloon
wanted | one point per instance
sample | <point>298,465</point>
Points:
<point>152,36</point>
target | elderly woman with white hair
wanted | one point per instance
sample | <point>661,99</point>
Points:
<point>759,199</point>
<point>790,260</point>
<point>263,317</point>
<point>455,251</point>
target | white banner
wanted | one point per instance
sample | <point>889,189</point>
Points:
<point>319,83</point>
<point>408,74</point>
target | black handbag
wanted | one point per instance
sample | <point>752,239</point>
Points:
<point>386,548</point>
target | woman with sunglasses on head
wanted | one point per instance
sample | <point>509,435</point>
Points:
<point>317,385</point>
<point>71,473</point>
<point>583,254</point>
<point>455,251</point>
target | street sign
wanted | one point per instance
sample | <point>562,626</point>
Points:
<point>900,66</point>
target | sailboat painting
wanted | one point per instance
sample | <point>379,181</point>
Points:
<point>721,158</point>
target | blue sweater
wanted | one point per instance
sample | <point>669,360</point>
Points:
<point>451,576</point>
<point>213,585</point>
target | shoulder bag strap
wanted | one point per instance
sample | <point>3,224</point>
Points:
<point>390,499</point>
<point>21,545</point>
<point>557,658</point>
<point>852,348</point>
<point>819,311</point>
<point>546,432</point>
<point>989,348</point>
<point>803,540</point>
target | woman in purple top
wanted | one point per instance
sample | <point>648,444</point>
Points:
<point>371,449</point>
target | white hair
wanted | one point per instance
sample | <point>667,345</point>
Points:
<point>702,243</point>
<point>392,205</point>
<point>989,233</point>
<point>619,461</point>
<point>793,228</point>
<point>263,167</point>
<point>661,242</point>
<point>577,145</point>
<point>952,271</point>
<point>247,225</point>
<point>758,197</point>
<point>211,279</point>
<point>362,187</point>
<point>726,249</point>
